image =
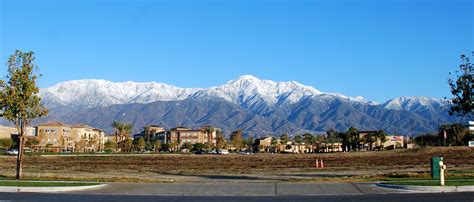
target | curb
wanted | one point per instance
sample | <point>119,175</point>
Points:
<point>435,189</point>
<point>49,189</point>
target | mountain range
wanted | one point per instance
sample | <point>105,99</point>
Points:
<point>257,106</point>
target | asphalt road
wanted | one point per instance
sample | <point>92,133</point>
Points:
<point>451,197</point>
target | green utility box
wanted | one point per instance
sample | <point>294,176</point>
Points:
<point>435,169</point>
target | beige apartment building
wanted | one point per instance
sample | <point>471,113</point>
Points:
<point>55,136</point>
<point>87,138</point>
<point>181,135</point>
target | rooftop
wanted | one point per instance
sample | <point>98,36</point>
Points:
<point>54,123</point>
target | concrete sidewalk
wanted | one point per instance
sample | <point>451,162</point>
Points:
<point>50,189</point>
<point>430,189</point>
<point>241,189</point>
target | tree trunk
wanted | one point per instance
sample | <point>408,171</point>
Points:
<point>19,159</point>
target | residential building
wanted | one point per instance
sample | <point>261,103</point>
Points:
<point>263,144</point>
<point>87,138</point>
<point>9,132</point>
<point>55,136</point>
<point>180,135</point>
<point>293,147</point>
<point>150,132</point>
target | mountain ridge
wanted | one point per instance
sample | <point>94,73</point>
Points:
<point>255,105</point>
<point>142,92</point>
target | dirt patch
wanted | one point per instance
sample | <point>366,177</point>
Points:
<point>239,167</point>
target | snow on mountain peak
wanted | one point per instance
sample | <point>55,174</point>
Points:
<point>95,92</point>
<point>250,90</point>
<point>413,103</point>
<point>246,90</point>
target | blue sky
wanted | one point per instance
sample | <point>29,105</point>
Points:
<point>375,49</point>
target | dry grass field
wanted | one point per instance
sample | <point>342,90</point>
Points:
<point>234,167</point>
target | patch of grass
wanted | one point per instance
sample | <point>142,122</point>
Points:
<point>431,183</point>
<point>462,172</point>
<point>20,183</point>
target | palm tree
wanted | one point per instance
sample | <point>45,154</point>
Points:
<point>382,136</point>
<point>93,143</point>
<point>345,139</point>
<point>118,128</point>
<point>320,142</point>
<point>309,141</point>
<point>370,139</point>
<point>332,138</point>
<point>126,131</point>
<point>220,141</point>
<point>284,139</point>
<point>297,140</point>
<point>209,131</point>
<point>354,137</point>
<point>274,144</point>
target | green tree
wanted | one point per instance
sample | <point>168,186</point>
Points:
<point>332,137</point>
<point>309,140</point>
<point>237,139</point>
<point>126,131</point>
<point>110,146</point>
<point>157,146</point>
<point>141,144</point>
<point>354,138</point>
<point>19,99</point>
<point>220,141</point>
<point>370,138</point>
<point>6,143</point>
<point>122,133</point>
<point>274,144</point>
<point>461,88</point>
<point>297,140</point>
<point>249,143</point>
<point>455,134</point>
<point>81,145</point>
<point>127,145</point>
<point>164,147</point>
<point>149,145</point>
<point>428,140</point>
<point>284,139</point>
<point>187,145</point>
<point>198,147</point>
<point>118,128</point>
<point>93,143</point>
<point>382,136</point>
<point>209,131</point>
<point>31,142</point>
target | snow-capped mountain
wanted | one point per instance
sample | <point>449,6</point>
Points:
<point>93,93</point>
<point>415,103</point>
<point>249,90</point>
<point>246,90</point>
<point>255,105</point>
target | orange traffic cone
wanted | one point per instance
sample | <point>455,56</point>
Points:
<point>322,163</point>
<point>317,163</point>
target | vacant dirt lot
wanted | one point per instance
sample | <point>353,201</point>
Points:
<point>258,167</point>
